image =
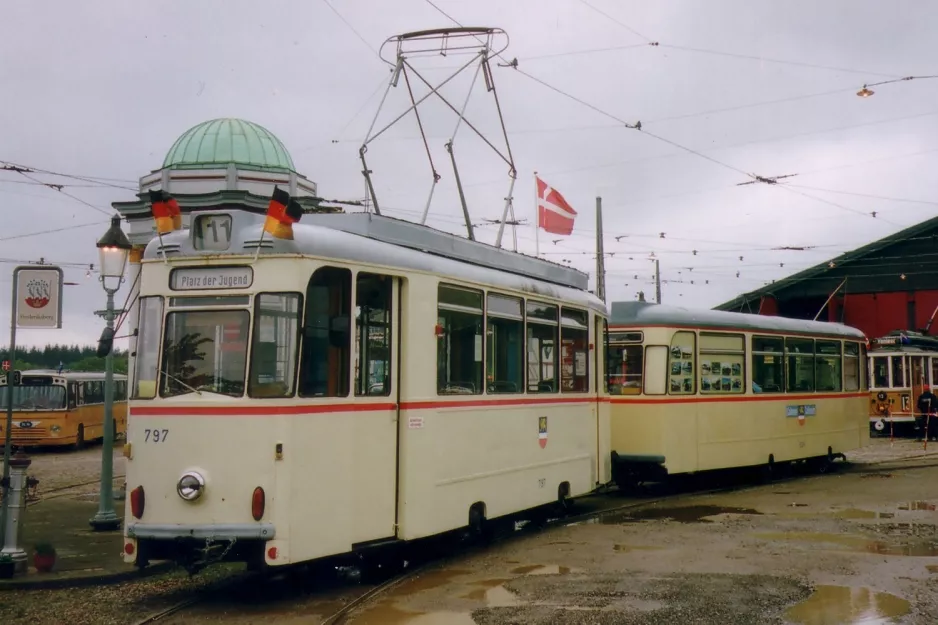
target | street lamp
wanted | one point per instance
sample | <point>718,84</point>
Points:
<point>113,248</point>
<point>866,92</point>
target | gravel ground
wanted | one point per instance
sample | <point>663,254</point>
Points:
<point>57,469</point>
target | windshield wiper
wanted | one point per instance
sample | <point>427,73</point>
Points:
<point>175,379</point>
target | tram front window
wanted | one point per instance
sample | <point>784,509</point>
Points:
<point>205,351</point>
<point>880,372</point>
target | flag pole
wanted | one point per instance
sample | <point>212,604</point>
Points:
<point>257,252</point>
<point>537,220</point>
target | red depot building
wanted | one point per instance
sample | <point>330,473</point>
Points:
<point>890,284</point>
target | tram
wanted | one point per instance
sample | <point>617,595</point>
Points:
<point>700,390</point>
<point>362,383</point>
<point>901,365</point>
<point>62,408</point>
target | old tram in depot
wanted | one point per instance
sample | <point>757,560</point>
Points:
<point>700,390</point>
<point>901,364</point>
<point>362,384</point>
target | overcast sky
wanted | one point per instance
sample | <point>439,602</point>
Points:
<point>104,88</point>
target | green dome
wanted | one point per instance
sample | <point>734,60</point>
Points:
<point>228,140</point>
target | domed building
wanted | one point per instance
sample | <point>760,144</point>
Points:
<point>222,162</point>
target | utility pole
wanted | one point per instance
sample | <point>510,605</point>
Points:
<point>600,255</point>
<point>657,282</point>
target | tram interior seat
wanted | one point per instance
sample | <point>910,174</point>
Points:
<point>502,386</point>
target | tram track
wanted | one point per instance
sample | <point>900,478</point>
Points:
<point>342,614</point>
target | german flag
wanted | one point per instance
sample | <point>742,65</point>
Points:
<point>282,213</point>
<point>165,211</point>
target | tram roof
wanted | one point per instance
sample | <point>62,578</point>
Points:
<point>650,314</point>
<point>357,241</point>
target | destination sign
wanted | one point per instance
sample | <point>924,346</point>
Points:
<point>211,278</point>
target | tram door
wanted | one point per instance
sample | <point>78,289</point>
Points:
<point>918,381</point>
<point>377,343</point>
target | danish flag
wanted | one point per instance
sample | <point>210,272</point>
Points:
<point>554,214</point>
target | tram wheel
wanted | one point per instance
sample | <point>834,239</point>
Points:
<point>564,501</point>
<point>478,526</point>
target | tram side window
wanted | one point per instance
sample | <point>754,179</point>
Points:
<point>274,344</point>
<point>325,356</point>
<point>656,369</point>
<point>541,335</point>
<point>898,372</point>
<point>851,366</point>
<point>149,328</point>
<point>459,341</point>
<point>799,355</point>
<point>767,365</point>
<point>504,365</point>
<point>721,363</point>
<point>574,341</point>
<point>829,366</point>
<point>880,371</point>
<point>373,334</point>
<point>681,367</point>
<point>625,370</point>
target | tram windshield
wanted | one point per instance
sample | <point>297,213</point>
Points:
<point>205,351</point>
<point>33,396</point>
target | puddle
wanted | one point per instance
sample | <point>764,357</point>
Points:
<point>428,580</point>
<point>390,615</point>
<point>630,548</point>
<point>841,605</point>
<point>859,544</point>
<point>932,568</point>
<point>686,514</point>
<point>539,569</point>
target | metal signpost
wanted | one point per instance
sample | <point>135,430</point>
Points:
<point>36,304</point>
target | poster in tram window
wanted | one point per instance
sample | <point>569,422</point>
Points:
<point>681,367</point>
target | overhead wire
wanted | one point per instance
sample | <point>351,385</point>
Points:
<point>352,28</point>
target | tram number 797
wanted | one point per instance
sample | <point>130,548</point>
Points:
<point>155,436</point>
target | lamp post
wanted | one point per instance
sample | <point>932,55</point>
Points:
<point>866,92</point>
<point>113,248</point>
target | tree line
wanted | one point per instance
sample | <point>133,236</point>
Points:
<point>66,357</point>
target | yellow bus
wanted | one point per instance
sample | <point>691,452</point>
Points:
<point>52,408</point>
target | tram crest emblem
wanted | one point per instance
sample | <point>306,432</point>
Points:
<point>542,431</point>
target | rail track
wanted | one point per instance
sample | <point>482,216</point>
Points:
<point>340,616</point>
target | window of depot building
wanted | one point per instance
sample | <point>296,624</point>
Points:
<point>880,367</point>
<point>829,366</point>
<point>682,380</point>
<point>574,341</point>
<point>504,335</point>
<point>722,368</point>
<point>800,371</point>
<point>542,335</point>
<point>274,345</point>
<point>768,368</point>
<point>852,366</point>
<point>625,365</point>
<point>459,347</point>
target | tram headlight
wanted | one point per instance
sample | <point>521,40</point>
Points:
<point>190,486</point>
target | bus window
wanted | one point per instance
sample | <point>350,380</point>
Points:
<point>829,366</point>
<point>800,358</point>
<point>681,368</point>
<point>148,347</point>
<point>851,367</point>
<point>373,294</point>
<point>722,368</point>
<point>34,396</point>
<point>542,347</point>
<point>898,372</point>
<point>459,341</point>
<point>504,365</point>
<point>325,355</point>
<point>574,341</point>
<point>880,371</point>
<point>274,344</point>
<point>625,370</point>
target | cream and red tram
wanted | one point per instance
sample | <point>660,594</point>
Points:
<point>901,363</point>
<point>367,383</point>
<point>699,390</point>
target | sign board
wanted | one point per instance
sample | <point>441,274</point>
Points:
<point>6,365</point>
<point>38,297</point>
<point>211,278</point>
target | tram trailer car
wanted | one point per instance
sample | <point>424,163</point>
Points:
<point>901,364</point>
<point>342,392</point>
<point>701,390</point>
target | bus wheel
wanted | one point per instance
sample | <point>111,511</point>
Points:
<point>80,437</point>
